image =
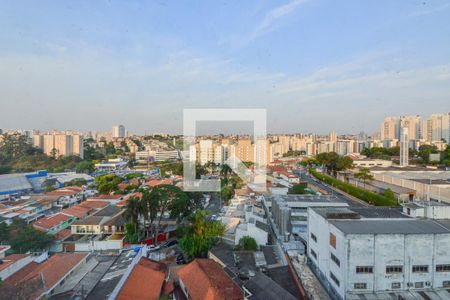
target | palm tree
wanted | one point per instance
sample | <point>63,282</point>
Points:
<point>132,212</point>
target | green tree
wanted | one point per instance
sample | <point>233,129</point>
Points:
<point>85,167</point>
<point>389,194</point>
<point>298,189</point>
<point>200,234</point>
<point>132,212</point>
<point>364,175</point>
<point>4,233</point>
<point>24,238</point>
<point>164,197</point>
<point>247,243</point>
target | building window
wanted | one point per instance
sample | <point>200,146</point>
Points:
<point>418,285</point>
<point>313,254</point>
<point>446,283</point>
<point>334,278</point>
<point>394,269</point>
<point>420,269</point>
<point>360,286</point>
<point>313,237</point>
<point>335,259</point>
<point>396,285</point>
<point>364,270</point>
<point>333,240</point>
<point>442,268</point>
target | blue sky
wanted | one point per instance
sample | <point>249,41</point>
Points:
<point>315,65</point>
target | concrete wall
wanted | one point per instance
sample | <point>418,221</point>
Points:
<point>377,251</point>
<point>99,246</point>
<point>16,266</point>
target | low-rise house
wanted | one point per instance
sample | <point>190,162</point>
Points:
<point>3,249</point>
<point>106,221</point>
<point>54,224</point>
<point>10,264</point>
<point>77,211</point>
<point>147,280</point>
<point>205,279</point>
<point>38,280</point>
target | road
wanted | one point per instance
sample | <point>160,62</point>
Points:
<point>311,180</point>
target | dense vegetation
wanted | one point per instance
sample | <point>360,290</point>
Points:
<point>200,234</point>
<point>247,243</point>
<point>23,238</point>
<point>369,197</point>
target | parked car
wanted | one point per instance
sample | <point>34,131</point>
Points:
<point>170,243</point>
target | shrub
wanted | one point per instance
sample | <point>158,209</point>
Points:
<point>369,197</point>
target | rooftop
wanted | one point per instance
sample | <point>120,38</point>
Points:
<point>406,226</point>
<point>137,284</point>
<point>205,279</point>
<point>51,221</point>
<point>263,287</point>
<point>360,212</point>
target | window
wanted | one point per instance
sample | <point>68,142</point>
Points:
<point>420,269</point>
<point>446,283</point>
<point>396,285</point>
<point>313,237</point>
<point>364,270</point>
<point>442,268</point>
<point>333,240</point>
<point>335,259</point>
<point>418,285</point>
<point>360,286</point>
<point>334,278</point>
<point>394,269</point>
<point>313,254</point>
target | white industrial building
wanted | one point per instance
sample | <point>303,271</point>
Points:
<point>379,253</point>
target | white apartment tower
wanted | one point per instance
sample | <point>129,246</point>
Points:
<point>404,147</point>
<point>118,131</point>
<point>437,127</point>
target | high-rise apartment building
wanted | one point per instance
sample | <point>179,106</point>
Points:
<point>118,131</point>
<point>414,125</point>
<point>390,128</point>
<point>437,128</point>
<point>60,144</point>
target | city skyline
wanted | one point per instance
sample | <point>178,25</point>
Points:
<point>141,64</point>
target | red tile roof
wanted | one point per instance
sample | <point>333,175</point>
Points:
<point>77,211</point>
<point>94,204</point>
<point>62,234</point>
<point>123,202</point>
<point>146,281</point>
<point>10,259</point>
<point>107,197</point>
<point>51,221</point>
<point>55,268</point>
<point>206,280</point>
<point>156,182</point>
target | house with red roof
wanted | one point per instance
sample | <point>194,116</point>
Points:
<point>11,264</point>
<point>37,280</point>
<point>148,279</point>
<point>54,223</point>
<point>205,279</point>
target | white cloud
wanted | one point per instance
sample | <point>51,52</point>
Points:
<point>271,18</point>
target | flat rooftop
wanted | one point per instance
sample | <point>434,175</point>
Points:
<point>361,212</point>
<point>406,226</point>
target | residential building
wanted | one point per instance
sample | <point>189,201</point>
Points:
<point>118,131</point>
<point>55,223</point>
<point>367,251</point>
<point>206,279</point>
<point>148,279</point>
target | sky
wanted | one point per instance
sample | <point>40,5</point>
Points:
<point>315,65</point>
